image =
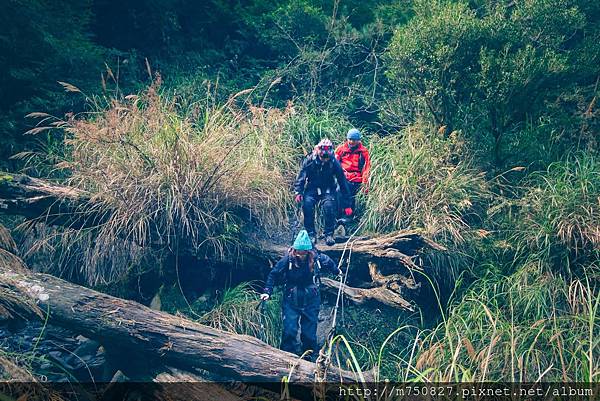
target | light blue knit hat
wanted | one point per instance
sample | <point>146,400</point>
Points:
<point>302,242</point>
<point>353,134</point>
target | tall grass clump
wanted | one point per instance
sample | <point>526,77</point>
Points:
<point>417,182</point>
<point>526,327</point>
<point>534,314</point>
<point>240,311</point>
<point>200,178</point>
<point>308,126</point>
<point>558,223</point>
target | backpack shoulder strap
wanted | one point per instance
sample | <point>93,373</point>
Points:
<point>317,272</point>
<point>361,161</point>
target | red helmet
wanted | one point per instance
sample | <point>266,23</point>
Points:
<point>324,148</point>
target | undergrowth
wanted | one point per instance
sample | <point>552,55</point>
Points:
<point>418,182</point>
<point>204,177</point>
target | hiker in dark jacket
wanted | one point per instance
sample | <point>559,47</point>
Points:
<point>319,179</point>
<point>299,270</point>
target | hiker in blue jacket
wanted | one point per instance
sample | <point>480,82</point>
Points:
<point>318,180</point>
<point>299,270</point>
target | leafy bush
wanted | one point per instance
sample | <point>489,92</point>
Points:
<point>490,70</point>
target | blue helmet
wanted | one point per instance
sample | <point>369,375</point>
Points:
<point>303,242</point>
<point>353,134</point>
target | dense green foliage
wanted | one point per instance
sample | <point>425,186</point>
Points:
<point>518,77</point>
<point>481,117</point>
<point>320,50</point>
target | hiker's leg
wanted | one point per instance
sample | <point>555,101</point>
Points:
<point>308,210</point>
<point>339,204</point>
<point>353,187</point>
<point>309,320</point>
<point>289,334</point>
<point>329,207</point>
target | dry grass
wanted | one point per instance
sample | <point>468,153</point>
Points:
<point>9,261</point>
<point>9,371</point>
<point>559,219</point>
<point>240,312</point>
<point>161,177</point>
<point>415,183</point>
<point>527,327</point>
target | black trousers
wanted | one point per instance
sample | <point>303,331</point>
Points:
<point>353,187</point>
<point>328,208</point>
<point>300,310</point>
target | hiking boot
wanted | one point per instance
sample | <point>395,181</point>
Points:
<point>329,240</point>
<point>340,231</point>
<point>344,221</point>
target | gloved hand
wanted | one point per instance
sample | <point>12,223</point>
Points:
<point>340,276</point>
<point>298,198</point>
<point>264,297</point>
<point>348,211</point>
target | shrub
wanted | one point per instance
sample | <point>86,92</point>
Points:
<point>490,69</point>
<point>559,220</point>
<point>201,179</point>
<point>526,327</point>
<point>416,183</point>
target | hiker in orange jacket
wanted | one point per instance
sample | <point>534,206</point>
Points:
<point>354,159</point>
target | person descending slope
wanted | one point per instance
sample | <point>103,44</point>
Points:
<point>355,161</point>
<point>299,269</point>
<point>318,180</point>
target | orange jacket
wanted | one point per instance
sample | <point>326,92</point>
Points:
<point>355,162</point>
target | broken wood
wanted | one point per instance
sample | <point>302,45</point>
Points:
<point>201,385</point>
<point>395,282</point>
<point>398,247</point>
<point>360,296</point>
<point>53,204</point>
<point>173,340</point>
<point>396,251</point>
<point>191,386</point>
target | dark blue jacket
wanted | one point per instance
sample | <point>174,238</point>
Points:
<point>298,275</point>
<point>323,175</point>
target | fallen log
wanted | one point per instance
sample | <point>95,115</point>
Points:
<point>175,341</point>
<point>395,282</point>
<point>360,296</point>
<point>53,204</point>
<point>400,247</point>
